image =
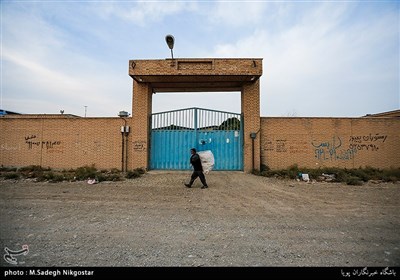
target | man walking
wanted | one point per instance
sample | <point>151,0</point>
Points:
<point>197,170</point>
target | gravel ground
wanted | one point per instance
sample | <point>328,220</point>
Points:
<point>240,220</point>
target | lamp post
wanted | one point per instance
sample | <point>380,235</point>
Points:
<point>170,42</point>
<point>124,134</point>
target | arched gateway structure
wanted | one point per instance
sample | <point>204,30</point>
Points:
<point>194,75</point>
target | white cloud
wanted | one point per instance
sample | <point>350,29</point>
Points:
<point>52,79</point>
<point>41,67</point>
<point>143,12</point>
<point>329,59</point>
<point>322,60</point>
<point>236,14</point>
<point>31,81</point>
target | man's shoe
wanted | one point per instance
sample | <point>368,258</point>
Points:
<point>188,186</point>
<point>204,187</point>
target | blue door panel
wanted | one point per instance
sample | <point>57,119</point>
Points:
<point>170,149</point>
<point>226,147</point>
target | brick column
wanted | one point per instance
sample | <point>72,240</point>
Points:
<point>250,98</point>
<point>140,126</point>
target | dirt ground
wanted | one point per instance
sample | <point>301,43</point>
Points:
<point>240,220</point>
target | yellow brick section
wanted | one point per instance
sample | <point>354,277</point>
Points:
<point>250,100</point>
<point>141,113</point>
<point>330,142</point>
<point>61,142</point>
<point>202,66</point>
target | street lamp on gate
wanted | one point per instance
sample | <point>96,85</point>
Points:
<point>170,42</point>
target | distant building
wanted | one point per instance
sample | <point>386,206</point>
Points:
<point>5,112</point>
<point>388,114</point>
<point>10,114</point>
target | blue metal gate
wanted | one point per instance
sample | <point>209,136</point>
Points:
<point>174,133</point>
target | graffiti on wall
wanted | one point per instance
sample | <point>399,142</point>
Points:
<point>332,149</point>
<point>368,142</point>
<point>139,146</point>
<point>284,145</point>
<point>281,145</point>
<point>267,145</point>
<point>51,146</point>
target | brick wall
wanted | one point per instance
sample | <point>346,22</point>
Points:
<point>307,142</point>
<point>60,143</point>
<point>330,142</point>
<point>141,112</point>
<point>202,66</point>
<point>250,100</point>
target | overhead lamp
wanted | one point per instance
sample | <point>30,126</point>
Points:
<point>170,42</point>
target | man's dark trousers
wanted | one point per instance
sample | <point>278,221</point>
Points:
<point>199,174</point>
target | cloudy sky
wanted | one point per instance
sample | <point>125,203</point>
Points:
<point>320,58</point>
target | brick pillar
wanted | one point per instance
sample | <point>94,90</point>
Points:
<point>250,98</point>
<point>140,126</point>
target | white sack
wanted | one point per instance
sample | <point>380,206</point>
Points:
<point>207,160</point>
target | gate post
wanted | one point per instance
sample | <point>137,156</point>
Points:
<point>250,97</point>
<point>141,112</point>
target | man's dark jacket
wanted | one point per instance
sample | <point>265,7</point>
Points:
<point>195,161</point>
